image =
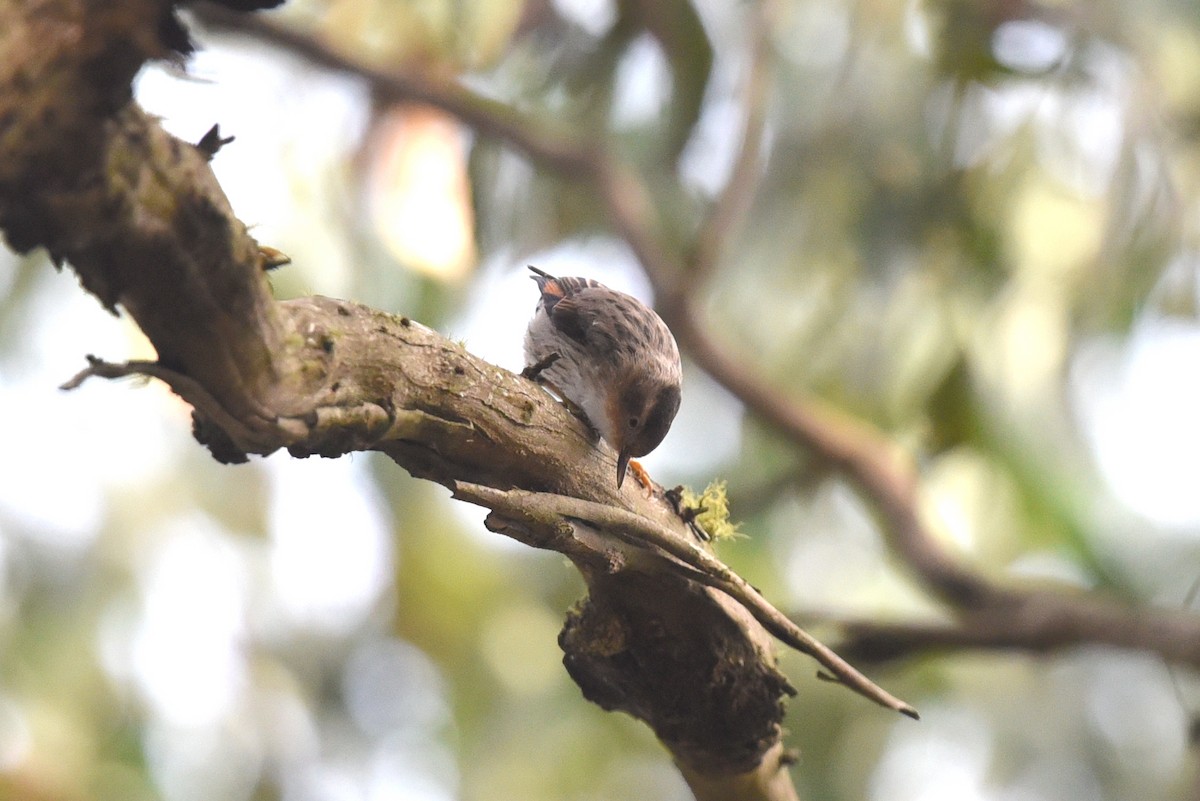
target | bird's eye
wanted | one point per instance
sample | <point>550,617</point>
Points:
<point>633,422</point>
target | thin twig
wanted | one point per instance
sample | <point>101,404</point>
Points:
<point>184,386</point>
<point>637,530</point>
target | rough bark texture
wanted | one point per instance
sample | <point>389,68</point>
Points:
<point>92,178</point>
<point>624,653</point>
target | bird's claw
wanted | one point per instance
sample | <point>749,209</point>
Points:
<point>638,472</point>
<point>534,371</point>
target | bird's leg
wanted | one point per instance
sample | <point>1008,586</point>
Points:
<point>534,371</point>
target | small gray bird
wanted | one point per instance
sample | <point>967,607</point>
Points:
<point>609,355</point>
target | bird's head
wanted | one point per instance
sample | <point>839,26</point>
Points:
<point>640,414</point>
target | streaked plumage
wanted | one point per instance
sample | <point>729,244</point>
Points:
<point>617,361</point>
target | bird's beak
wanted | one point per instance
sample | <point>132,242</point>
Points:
<point>622,465</point>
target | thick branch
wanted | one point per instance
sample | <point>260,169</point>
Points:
<point>137,213</point>
<point>649,640</point>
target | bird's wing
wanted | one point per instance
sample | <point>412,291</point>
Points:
<point>571,317</point>
<point>584,316</point>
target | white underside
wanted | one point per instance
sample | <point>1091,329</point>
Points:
<point>571,374</point>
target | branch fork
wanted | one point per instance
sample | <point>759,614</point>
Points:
<point>674,554</point>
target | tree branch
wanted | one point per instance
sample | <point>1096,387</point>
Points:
<point>701,566</point>
<point>1036,621</point>
<point>541,140</point>
<point>139,216</point>
<point>885,475</point>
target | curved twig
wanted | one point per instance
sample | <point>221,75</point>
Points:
<point>701,566</point>
<point>184,386</point>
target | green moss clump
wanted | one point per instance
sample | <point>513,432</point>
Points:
<point>711,509</point>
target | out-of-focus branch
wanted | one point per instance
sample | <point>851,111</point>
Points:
<point>738,193</point>
<point>541,140</point>
<point>848,445</point>
<point>865,455</point>
<point>1037,621</point>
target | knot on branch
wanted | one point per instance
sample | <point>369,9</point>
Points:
<point>332,431</point>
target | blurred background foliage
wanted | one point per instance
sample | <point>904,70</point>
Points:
<point>974,227</point>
